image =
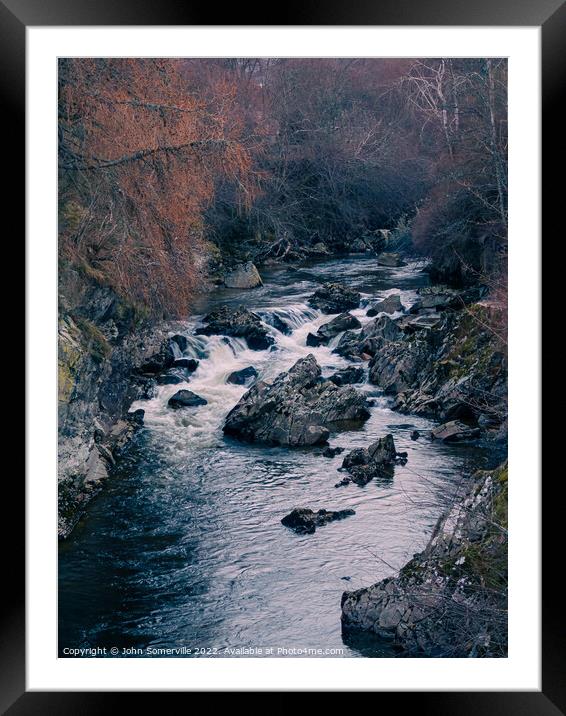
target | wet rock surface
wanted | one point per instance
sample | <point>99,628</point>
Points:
<point>243,376</point>
<point>348,376</point>
<point>185,399</point>
<point>455,431</point>
<point>343,322</point>
<point>365,464</point>
<point>391,260</point>
<point>304,521</point>
<point>369,340</point>
<point>173,376</point>
<point>297,409</point>
<point>244,275</point>
<point>391,304</point>
<point>335,298</point>
<point>238,323</point>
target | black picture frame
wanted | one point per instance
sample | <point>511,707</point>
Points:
<point>15,16</point>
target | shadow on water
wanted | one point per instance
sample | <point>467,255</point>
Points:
<point>184,547</point>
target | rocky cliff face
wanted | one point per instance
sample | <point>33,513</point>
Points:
<point>454,369</point>
<point>451,599</point>
<point>101,341</point>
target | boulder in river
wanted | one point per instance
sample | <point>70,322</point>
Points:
<point>391,304</point>
<point>136,417</point>
<point>314,340</point>
<point>334,298</point>
<point>304,521</point>
<point>181,341</point>
<point>343,322</point>
<point>298,409</point>
<point>364,464</point>
<point>347,376</point>
<point>243,376</point>
<point>159,361</point>
<point>277,322</point>
<point>391,260</point>
<point>189,363</point>
<point>243,276</point>
<point>332,451</point>
<point>454,431</point>
<point>370,339</point>
<point>173,376</point>
<point>185,399</point>
<point>238,323</point>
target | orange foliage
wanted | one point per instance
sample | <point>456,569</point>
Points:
<point>139,155</point>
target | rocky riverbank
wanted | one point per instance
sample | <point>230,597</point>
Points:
<point>451,599</point>
<point>102,342</point>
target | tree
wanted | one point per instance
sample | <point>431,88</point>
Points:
<point>139,155</point>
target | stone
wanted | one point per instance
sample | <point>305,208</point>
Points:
<point>243,376</point>
<point>391,304</point>
<point>343,322</point>
<point>181,341</point>
<point>189,363</point>
<point>415,435</point>
<point>185,399</point>
<point>243,276</point>
<point>369,340</point>
<point>332,451</point>
<point>314,340</point>
<point>347,376</point>
<point>334,298</point>
<point>304,521</point>
<point>364,464</point>
<point>390,260</point>
<point>173,376</point>
<point>455,431</point>
<point>238,323</point>
<point>320,249</point>
<point>136,416</point>
<point>298,409</point>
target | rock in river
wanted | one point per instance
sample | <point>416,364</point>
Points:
<point>173,376</point>
<point>347,376</point>
<point>304,521</point>
<point>241,377</point>
<point>391,304</point>
<point>189,363</point>
<point>364,464</point>
<point>343,322</point>
<point>243,276</point>
<point>314,340</point>
<point>238,323</point>
<point>185,399</point>
<point>299,408</point>
<point>454,431</point>
<point>334,298</point>
<point>390,259</point>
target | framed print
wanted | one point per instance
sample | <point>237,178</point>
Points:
<point>283,355</point>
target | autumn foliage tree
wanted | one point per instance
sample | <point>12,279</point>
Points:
<point>160,158</point>
<point>139,156</point>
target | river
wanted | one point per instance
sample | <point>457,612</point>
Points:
<point>184,547</point>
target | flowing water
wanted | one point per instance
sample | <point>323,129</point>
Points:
<point>185,550</point>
